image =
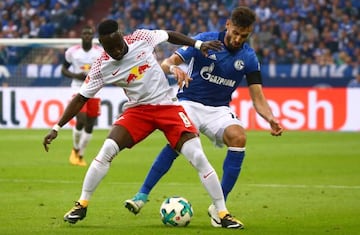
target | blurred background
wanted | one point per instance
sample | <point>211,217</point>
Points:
<point>321,32</point>
<point>300,43</point>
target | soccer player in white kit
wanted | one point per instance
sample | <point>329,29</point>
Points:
<point>129,63</point>
<point>77,64</point>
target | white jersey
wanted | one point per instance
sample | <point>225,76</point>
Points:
<point>81,61</point>
<point>138,72</point>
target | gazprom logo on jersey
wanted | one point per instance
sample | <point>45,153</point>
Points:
<point>205,73</point>
<point>137,72</point>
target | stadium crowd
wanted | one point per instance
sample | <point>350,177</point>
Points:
<point>294,31</point>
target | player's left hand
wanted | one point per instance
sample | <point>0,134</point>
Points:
<point>276,129</point>
<point>48,138</point>
<point>210,45</point>
<point>181,77</point>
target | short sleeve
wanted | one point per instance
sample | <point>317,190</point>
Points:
<point>152,37</point>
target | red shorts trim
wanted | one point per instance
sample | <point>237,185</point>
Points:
<point>141,121</point>
<point>92,107</point>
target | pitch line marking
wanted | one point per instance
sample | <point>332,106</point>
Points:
<point>176,184</point>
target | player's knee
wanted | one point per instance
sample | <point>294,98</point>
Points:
<point>235,139</point>
<point>185,136</point>
<point>198,158</point>
<point>89,129</point>
<point>108,151</point>
<point>193,152</point>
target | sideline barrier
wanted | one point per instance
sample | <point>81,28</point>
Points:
<point>330,109</point>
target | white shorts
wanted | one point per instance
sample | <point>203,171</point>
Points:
<point>211,121</point>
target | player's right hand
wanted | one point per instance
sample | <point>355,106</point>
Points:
<point>214,45</point>
<point>48,138</point>
<point>276,129</point>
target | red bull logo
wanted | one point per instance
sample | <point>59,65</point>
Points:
<point>86,67</point>
<point>136,73</point>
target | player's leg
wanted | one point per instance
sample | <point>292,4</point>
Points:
<point>92,112</point>
<point>193,151</point>
<point>131,127</point>
<point>182,136</point>
<point>160,166</point>
<point>235,139</point>
<point>234,135</point>
<point>76,136</point>
<point>223,127</point>
<point>95,173</point>
<point>118,139</point>
<point>85,138</point>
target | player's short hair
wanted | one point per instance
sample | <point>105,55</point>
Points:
<point>87,28</point>
<point>108,27</point>
<point>243,16</point>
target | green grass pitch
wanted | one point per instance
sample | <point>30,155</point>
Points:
<point>300,183</point>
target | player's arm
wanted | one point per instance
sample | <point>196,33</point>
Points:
<point>170,65</point>
<point>260,103</point>
<point>67,73</point>
<point>204,47</point>
<point>71,110</point>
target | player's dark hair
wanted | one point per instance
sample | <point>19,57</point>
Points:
<point>243,16</point>
<point>107,27</point>
<point>87,28</point>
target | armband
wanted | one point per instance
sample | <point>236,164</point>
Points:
<point>198,44</point>
<point>56,127</point>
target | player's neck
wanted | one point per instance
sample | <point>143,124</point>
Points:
<point>86,46</point>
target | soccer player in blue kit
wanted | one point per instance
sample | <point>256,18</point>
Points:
<point>206,97</point>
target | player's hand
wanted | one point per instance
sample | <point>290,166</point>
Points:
<point>210,45</point>
<point>48,138</point>
<point>276,129</point>
<point>181,77</point>
<point>81,76</point>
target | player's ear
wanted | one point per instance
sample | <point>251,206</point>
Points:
<point>227,24</point>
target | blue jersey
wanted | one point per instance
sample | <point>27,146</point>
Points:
<point>216,77</point>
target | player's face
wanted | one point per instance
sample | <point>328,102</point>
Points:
<point>114,45</point>
<point>87,35</point>
<point>235,36</point>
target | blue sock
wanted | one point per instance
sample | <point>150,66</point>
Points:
<point>231,169</point>
<point>141,196</point>
<point>160,166</point>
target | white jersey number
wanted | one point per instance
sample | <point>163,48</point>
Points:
<point>185,119</point>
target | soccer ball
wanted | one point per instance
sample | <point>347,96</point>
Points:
<point>176,211</point>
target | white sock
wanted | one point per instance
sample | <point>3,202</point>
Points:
<point>193,151</point>
<point>84,140</point>
<point>98,168</point>
<point>76,134</point>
